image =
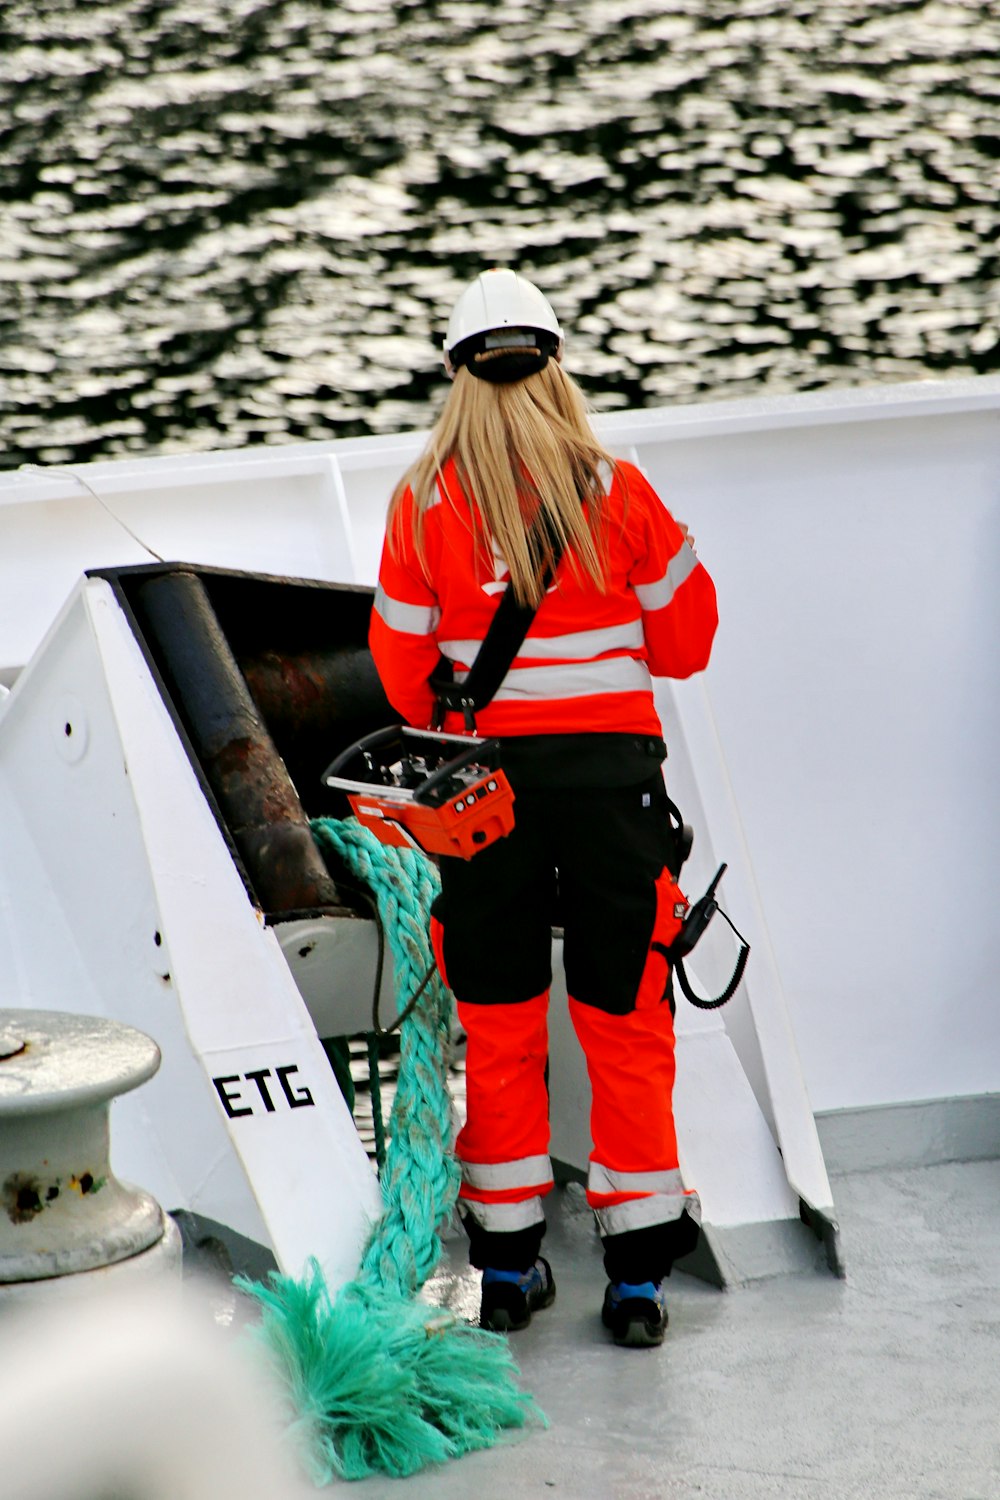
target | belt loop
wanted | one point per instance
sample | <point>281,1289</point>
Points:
<point>468,707</point>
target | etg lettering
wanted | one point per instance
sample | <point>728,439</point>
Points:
<point>235,1102</point>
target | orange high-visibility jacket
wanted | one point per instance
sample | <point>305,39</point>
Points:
<point>586,662</point>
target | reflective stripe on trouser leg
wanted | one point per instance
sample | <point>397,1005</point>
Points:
<point>634,1178</point>
<point>503,1146</point>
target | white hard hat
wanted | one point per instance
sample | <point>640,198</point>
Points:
<point>509,313</point>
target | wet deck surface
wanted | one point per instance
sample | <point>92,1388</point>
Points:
<point>884,1384</point>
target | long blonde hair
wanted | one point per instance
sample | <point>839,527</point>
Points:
<point>526,452</point>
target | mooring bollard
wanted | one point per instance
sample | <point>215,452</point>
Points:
<point>63,1213</point>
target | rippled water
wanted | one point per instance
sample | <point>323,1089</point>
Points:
<point>246,220</point>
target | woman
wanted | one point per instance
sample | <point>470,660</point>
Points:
<point>513,474</point>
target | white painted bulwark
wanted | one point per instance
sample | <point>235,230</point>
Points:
<point>261,512</point>
<point>852,704</point>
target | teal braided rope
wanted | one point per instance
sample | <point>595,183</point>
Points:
<point>378,1381</point>
<point>421,1177</point>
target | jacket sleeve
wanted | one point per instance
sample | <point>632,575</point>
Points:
<point>402,635</point>
<point>675,593</point>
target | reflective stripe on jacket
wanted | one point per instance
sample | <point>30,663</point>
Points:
<point>585,664</point>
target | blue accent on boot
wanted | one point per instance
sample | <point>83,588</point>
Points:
<point>636,1313</point>
<point>648,1290</point>
<point>510,1297</point>
<point>492,1274</point>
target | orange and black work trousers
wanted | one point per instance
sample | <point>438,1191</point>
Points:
<point>597,863</point>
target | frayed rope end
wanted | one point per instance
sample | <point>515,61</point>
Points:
<point>382,1384</point>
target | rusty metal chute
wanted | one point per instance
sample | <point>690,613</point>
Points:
<point>266,678</point>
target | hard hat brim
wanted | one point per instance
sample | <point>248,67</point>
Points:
<point>503,364</point>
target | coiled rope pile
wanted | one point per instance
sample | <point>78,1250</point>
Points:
<point>379,1381</point>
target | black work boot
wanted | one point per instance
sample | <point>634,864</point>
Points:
<point>510,1297</point>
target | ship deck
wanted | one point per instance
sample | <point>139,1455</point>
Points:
<point>885,1383</point>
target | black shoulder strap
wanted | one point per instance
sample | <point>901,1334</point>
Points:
<point>501,644</point>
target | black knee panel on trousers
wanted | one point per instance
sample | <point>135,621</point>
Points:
<point>587,857</point>
<point>513,1251</point>
<point>648,1254</point>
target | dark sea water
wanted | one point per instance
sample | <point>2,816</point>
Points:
<point>245,221</point>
